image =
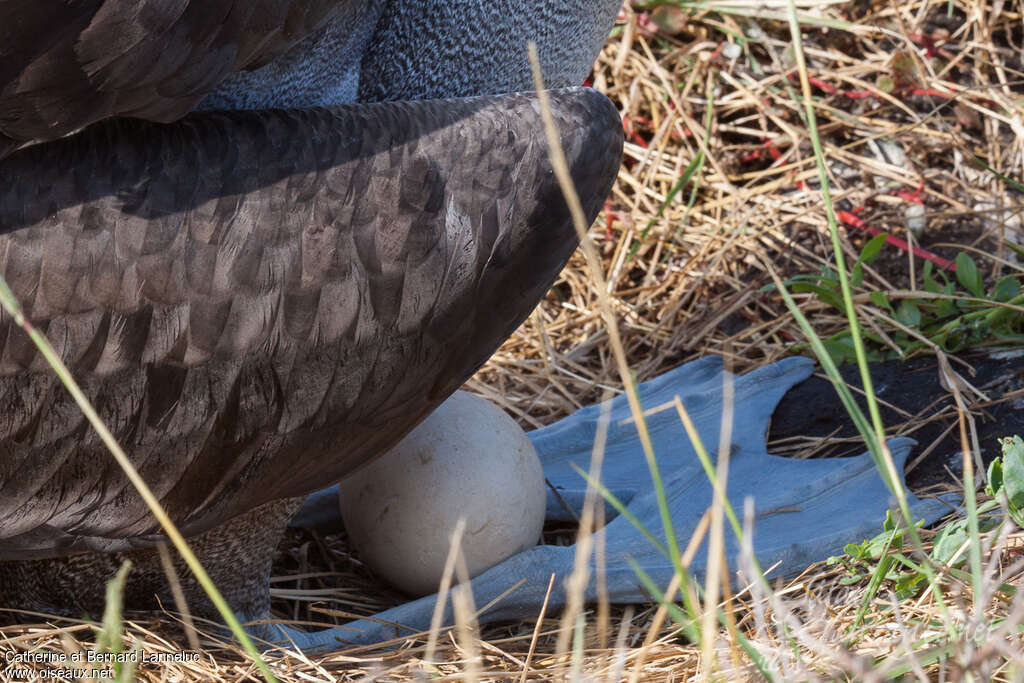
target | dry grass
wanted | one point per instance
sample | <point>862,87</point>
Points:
<point>899,133</point>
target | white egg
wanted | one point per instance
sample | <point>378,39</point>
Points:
<point>468,459</point>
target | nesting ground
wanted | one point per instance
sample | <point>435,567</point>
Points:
<point>919,107</point>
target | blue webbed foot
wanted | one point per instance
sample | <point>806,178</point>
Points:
<point>805,510</point>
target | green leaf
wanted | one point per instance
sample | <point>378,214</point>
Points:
<point>954,339</point>
<point>889,536</point>
<point>1015,248</point>
<point>889,524</point>
<point>908,585</point>
<point>930,284</point>
<point>871,250</point>
<point>968,275</point>
<point>857,276</point>
<point>840,350</point>
<point>1000,319</point>
<point>950,539</point>
<point>908,313</point>
<point>946,307</point>
<point>1013,471</point>
<point>1006,289</point>
<point>880,299</point>
<point>826,294</point>
<point>806,277</point>
<point>856,550</point>
<point>995,478</point>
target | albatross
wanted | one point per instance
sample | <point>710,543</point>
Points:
<point>269,238</point>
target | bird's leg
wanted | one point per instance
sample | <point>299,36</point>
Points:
<point>237,555</point>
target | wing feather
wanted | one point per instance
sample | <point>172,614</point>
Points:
<point>64,65</point>
<point>329,277</point>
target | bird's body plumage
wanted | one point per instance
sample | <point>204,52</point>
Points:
<point>259,301</point>
<point>66,65</point>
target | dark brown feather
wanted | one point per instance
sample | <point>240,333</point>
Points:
<point>258,302</point>
<point>64,65</point>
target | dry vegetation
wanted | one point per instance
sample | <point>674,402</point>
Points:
<point>907,96</point>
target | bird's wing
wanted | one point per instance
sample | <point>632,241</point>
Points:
<point>258,302</point>
<point>64,65</point>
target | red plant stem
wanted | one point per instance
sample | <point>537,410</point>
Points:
<point>631,133</point>
<point>832,90</point>
<point>850,218</point>
<point>925,41</point>
<point>914,196</point>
